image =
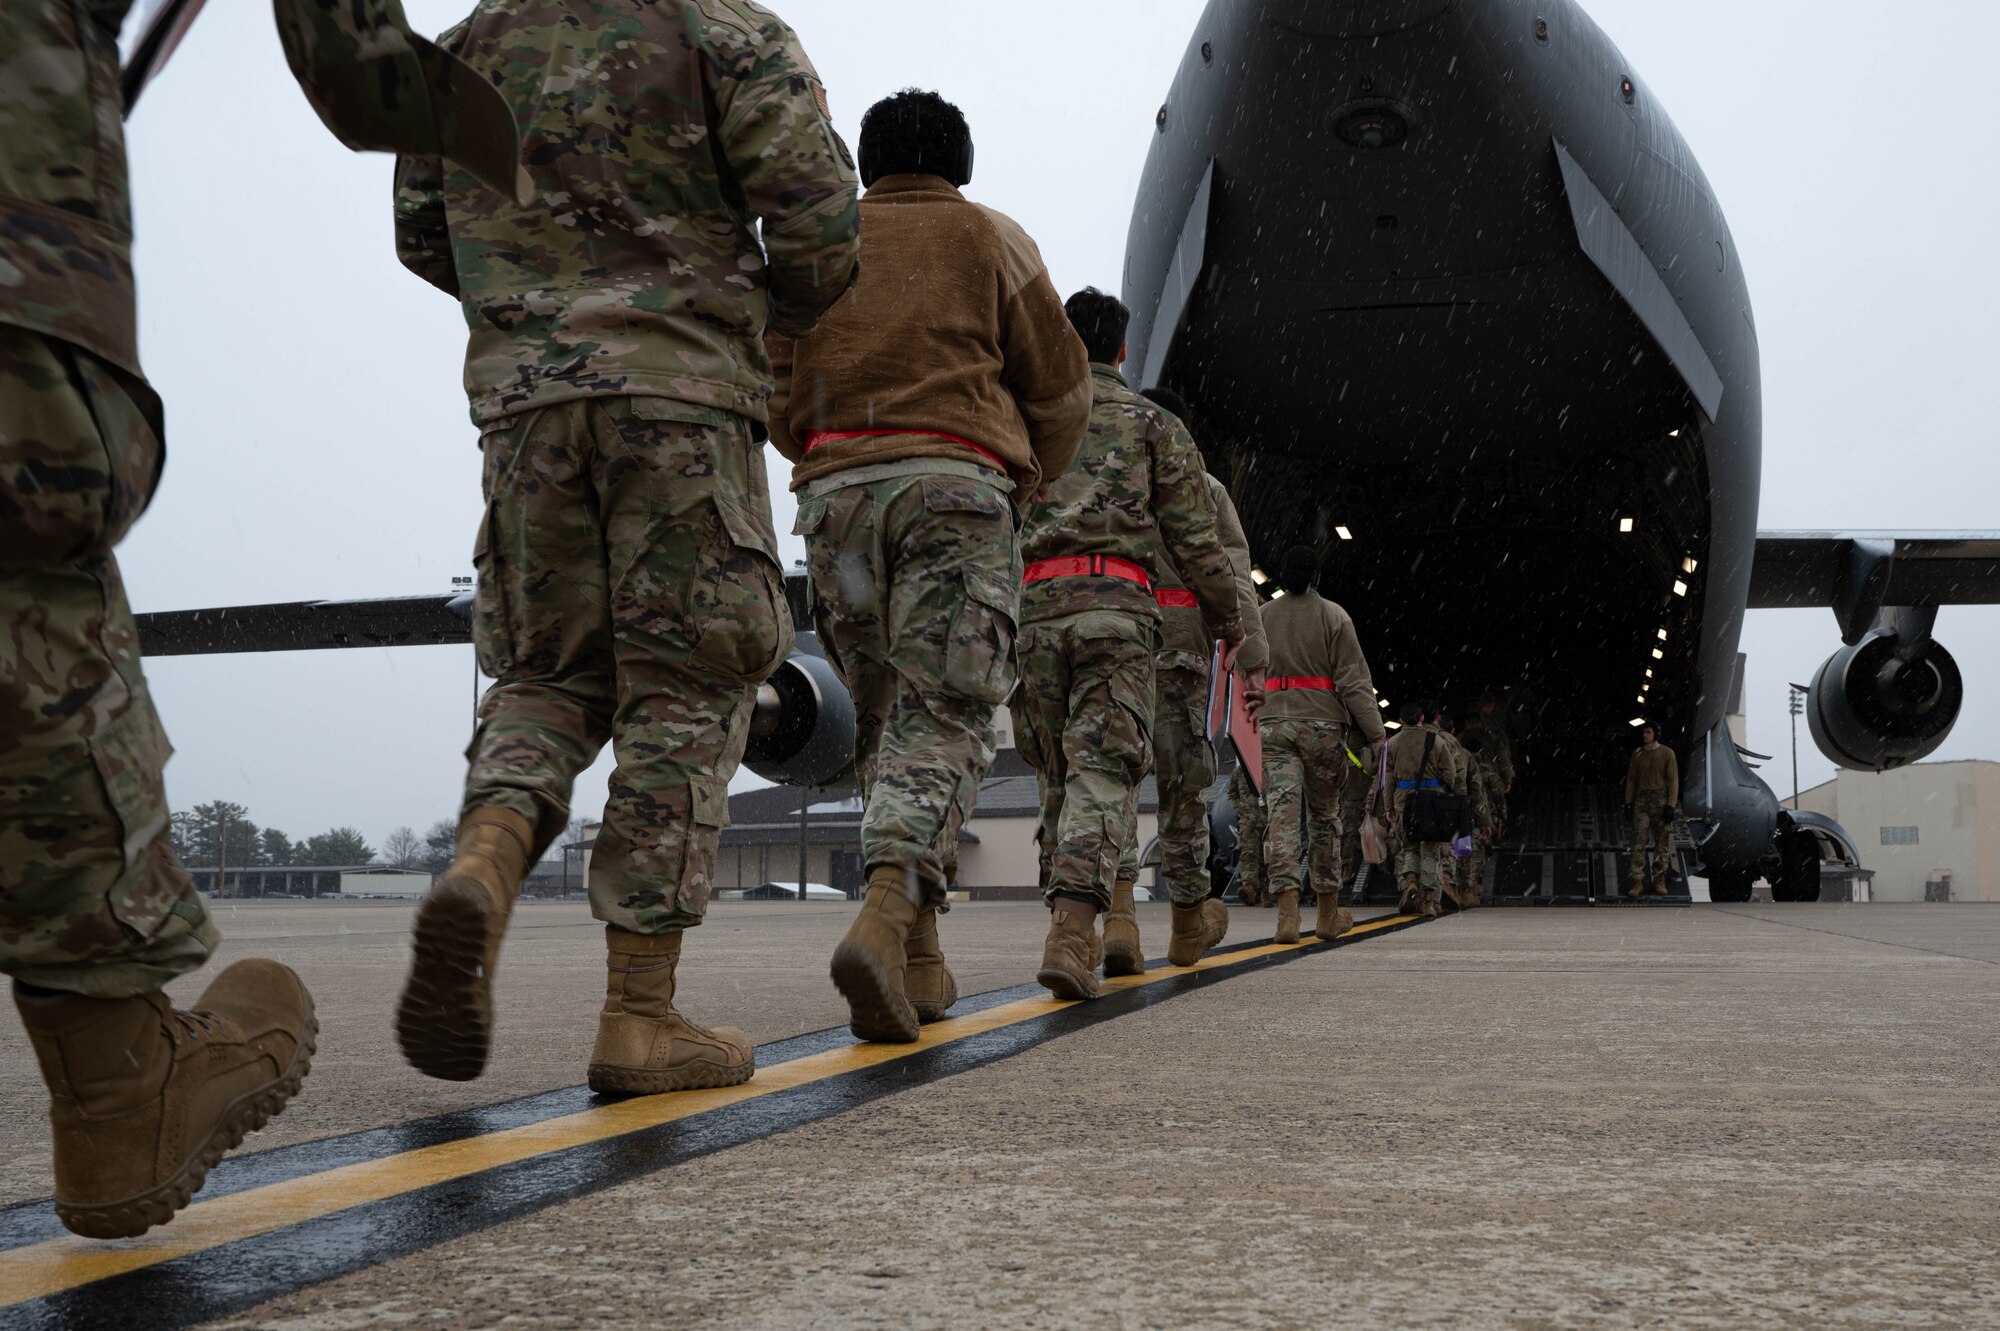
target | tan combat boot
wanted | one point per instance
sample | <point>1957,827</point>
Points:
<point>1638,889</point>
<point>1333,920</point>
<point>927,981</point>
<point>1123,954</point>
<point>145,1098</point>
<point>870,964</point>
<point>1660,888</point>
<point>1069,955</point>
<point>643,1046</point>
<point>1288,918</point>
<point>1197,928</point>
<point>1246,893</point>
<point>445,1020</point>
<point>1428,906</point>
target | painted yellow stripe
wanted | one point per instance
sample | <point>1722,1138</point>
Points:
<point>42,1269</point>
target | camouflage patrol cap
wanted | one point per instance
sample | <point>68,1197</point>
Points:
<point>379,86</point>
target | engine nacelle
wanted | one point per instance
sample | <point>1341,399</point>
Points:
<point>802,727</point>
<point>1883,702</point>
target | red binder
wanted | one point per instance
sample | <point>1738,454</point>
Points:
<point>1229,722</point>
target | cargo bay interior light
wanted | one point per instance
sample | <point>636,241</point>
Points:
<point>1689,565</point>
<point>1659,655</point>
<point>1638,721</point>
<point>1259,576</point>
<point>1343,533</point>
<point>1663,635</point>
<point>1680,588</point>
<point>1625,526</point>
<point>1649,672</point>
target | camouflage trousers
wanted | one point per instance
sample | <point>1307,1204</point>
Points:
<point>91,897</point>
<point>1082,717</point>
<point>1183,767</point>
<point>1250,826</point>
<point>1355,784</point>
<point>1421,866</point>
<point>1303,762</point>
<point>629,592</point>
<point>1652,839</point>
<point>916,574</point>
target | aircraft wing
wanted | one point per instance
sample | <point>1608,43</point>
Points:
<point>1862,569</point>
<point>403,621</point>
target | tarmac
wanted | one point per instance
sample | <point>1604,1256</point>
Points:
<point>1772,1115</point>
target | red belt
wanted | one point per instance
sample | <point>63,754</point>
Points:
<point>1176,598</point>
<point>1086,566</point>
<point>1280,683</point>
<point>815,438</point>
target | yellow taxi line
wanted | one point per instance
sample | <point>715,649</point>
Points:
<point>50,1267</point>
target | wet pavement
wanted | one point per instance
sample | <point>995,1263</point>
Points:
<point>1773,1115</point>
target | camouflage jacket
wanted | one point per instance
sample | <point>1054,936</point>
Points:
<point>1406,751</point>
<point>1136,492</point>
<point>657,137</point>
<point>65,202</point>
<point>1496,747</point>
<point>1183,629</point>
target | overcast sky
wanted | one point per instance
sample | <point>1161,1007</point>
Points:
<point>319,445</point>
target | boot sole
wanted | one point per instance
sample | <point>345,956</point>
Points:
<point>1066,984</point>
<point>875,1010</point>
<point>444,1022</point>
<point>250,1111</point>
<point>610,1079</point>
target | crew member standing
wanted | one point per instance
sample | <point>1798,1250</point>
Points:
<point>689,192</point>
<point>1318,687</point>
<point>948,382</point>
<point>1183,754</point>
<point>1419,760</point>
<point>1652,789</point>
<point>1089,627</point>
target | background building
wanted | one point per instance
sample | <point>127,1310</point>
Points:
<point>1930,831</point>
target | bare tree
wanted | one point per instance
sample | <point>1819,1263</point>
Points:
<point>403,848</point>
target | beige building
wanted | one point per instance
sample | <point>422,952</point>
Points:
<point>1930,831</point>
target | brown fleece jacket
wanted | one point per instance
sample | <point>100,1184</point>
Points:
<point>953,328</point>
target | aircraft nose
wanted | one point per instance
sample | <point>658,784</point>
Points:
<point>1351,19</point>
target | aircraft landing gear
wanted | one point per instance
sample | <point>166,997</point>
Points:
<point>1730,887</point>
<point>1798,878</point>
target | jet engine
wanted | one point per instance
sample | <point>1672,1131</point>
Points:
<point>1888,700</point>
<point>802,725</point>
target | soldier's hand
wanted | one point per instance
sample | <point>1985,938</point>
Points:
<point>1253,691</point>
<point>1231,633</point>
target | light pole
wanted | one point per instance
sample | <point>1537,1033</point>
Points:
<point>1797,704</point>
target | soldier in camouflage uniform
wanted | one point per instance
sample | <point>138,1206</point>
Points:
<point>1319,686</point>
<point>1652,789</point>
<point>1483,786</point>
<point>96,914</point>
<point>1089,627</point>
<point>1183,754</point>
<point>1496,745</point>
<point>629,589</point>
<point>1250,822</point>
<point>1452,870</point>
<point>1420,864</point>
<point>1357,779</point>
<point>947,383</point>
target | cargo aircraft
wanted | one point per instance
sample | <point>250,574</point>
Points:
<point>1451,300</point>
